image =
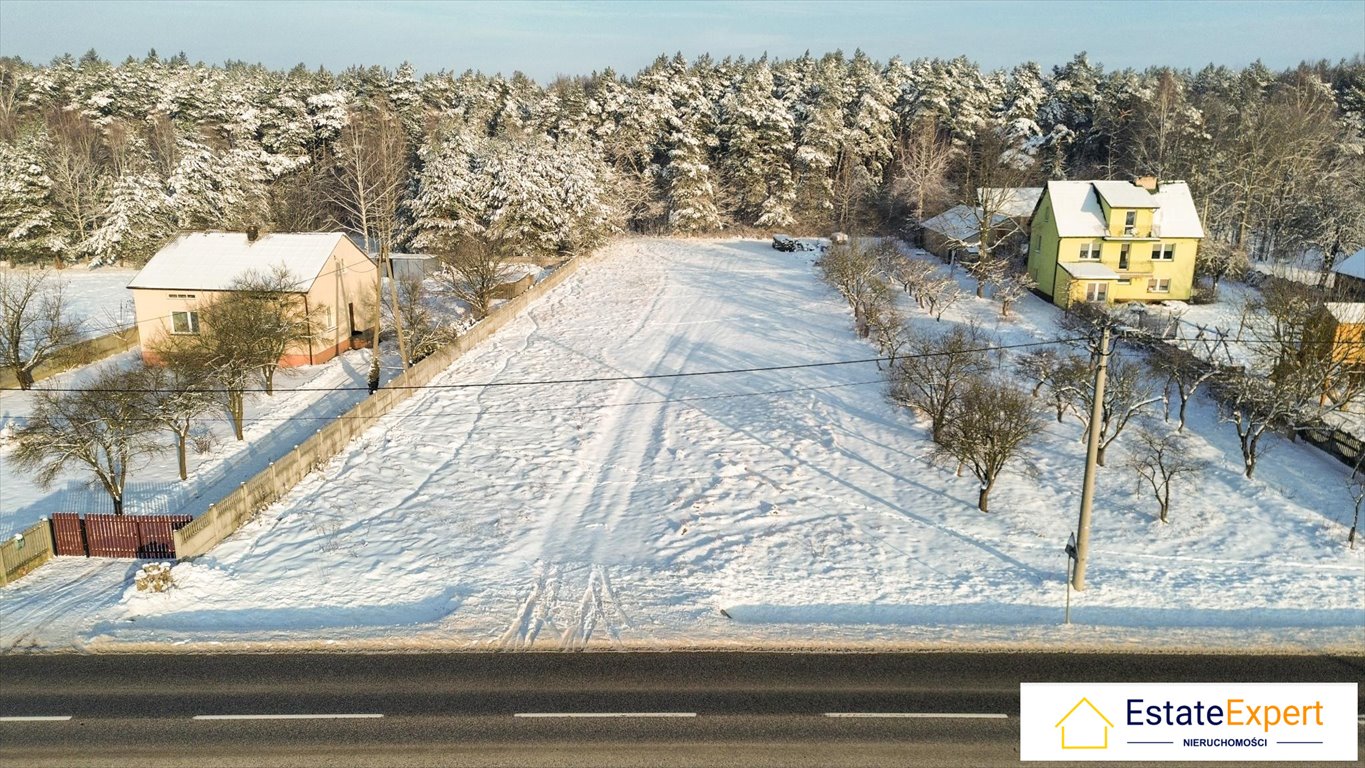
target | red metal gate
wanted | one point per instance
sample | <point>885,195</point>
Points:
<point>68,533</point>
<point>146,536</point>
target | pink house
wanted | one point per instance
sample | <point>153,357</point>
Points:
<point>195,268</point>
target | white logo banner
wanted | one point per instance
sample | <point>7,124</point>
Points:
<point>1240,722</point>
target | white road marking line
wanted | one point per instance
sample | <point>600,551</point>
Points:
<point>35,719</point>
<point>605,714</point>
<point>327,716</point>
<point>968,715</point>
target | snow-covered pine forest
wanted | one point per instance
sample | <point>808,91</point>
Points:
<point>101,163</point>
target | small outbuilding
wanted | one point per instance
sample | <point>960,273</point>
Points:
<point>957,231</point>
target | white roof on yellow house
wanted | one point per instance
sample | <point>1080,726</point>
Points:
<point>1076,206</point>
<point>212,261</point>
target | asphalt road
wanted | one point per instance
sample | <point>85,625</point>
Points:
<point>587,709</point>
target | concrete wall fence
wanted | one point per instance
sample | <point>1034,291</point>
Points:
<point>80,353</point>
<point>23,552</point>
<point>226,516</point>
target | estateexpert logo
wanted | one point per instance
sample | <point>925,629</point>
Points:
<point>1241,722</point>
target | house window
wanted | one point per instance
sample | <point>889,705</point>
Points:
<point>1159,285</point>
<point>185,322</point>
<point>331,319</point>
<point>1096,293</point>
<point>1129,222</point>
<point>179,295</point>
<point>1163,252</point>
<point>1090,251</point>
<point>1123,256</point>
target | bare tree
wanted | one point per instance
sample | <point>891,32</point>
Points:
<point>101,426</point>
<point>921,281</point>
<point>985,428</point>
<point>283,321</point>
<point>1036,366</point>
<point>940,294</point>
<point>426,332</point>
<point>173,398</point>
<point>887,330</point>
<point>76,162</point>
<point>922,162</point>
<point>1010,287</point>
<point>1184,373</point>
<point>1127,393</point>
<point>933,372</point>
<point>1163,461</point>
<point>1255,404</point>
<point>1293,335</point>
<point>371,176</point>
<point>474,270</point>
<point>911,274</point>
<point>1355,485</point>
<point>855,269</point>
<point>1218,259</point>
<point>987,270</point>
<point>35,323</point>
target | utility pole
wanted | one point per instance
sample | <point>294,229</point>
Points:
<point>1092,451</point>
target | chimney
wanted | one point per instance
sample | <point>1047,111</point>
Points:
<point>1148,183</point>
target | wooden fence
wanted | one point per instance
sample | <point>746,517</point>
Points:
<point>80,353</point>
<point>25,551</point>
<point>147,536</point>
<point>226,516</point>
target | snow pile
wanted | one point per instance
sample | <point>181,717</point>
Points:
<point>154,577</point>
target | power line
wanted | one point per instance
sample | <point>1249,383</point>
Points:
<point>547,409</point>
<point>609,379</point>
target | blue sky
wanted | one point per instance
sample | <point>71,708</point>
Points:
<point>545,39</point>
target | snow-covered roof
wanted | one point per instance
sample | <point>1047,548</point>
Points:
<point>1353,266</point>
<point>1175,214</point>
<point>1124,194</point>
<point>961,223</point>
<point>1089,271</point>
<point>1076,204</point>
<point>211,261</point>
<point>1011,201</point>
<point>1348,312</point>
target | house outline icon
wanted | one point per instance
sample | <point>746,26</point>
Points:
<point>1101,741</point>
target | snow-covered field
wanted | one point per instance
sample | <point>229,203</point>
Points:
<point>793,508</point>
<point>99,297</point>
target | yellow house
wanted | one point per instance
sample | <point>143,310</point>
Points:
<point>334,278</point>
<point>1110,241</point>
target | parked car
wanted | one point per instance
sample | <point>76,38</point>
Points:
<point>784,243</point>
